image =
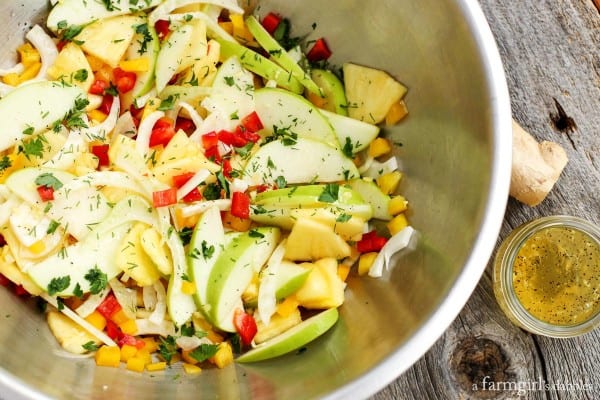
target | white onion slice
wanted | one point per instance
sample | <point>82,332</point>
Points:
<point>125,126</point>
<point>199,208</point>
<point>45,46</point>
<point>91,303</point>
<point>400,241</point>
<point>100,131</point>
<point>146,327</point>
<point>142,143</point>
<point>188,343</point>
<point>149,297</point>
<point>66,157</point>
<point>191,184</point>
<point>15,69</point>
<point>126,297</point>
<point>160,309</point>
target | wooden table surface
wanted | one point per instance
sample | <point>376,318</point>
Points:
<point>551,55</point>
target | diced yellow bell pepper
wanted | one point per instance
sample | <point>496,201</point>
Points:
<point>379,146</point>
<point>240,31</point>
<point>188,287</point>
<point>28,54</point>
<point>127,352</point>
<point>398,223</point>
<point>129,327</point>
<point>144,354</point>
<point>396,113</point>
<point>11,79</point>
<point>151,345</point>
<point>224,355</point>
<point>119,317</point>
<point>97,115</point>
<point>287,306</point>
<point>157,366</point>
<point>97,320</point>
<point>235,223</point>
<point>397,205</point>
<point>136,364</point>
<point>151,106</point>
<point>365,262</point>
<point>388,183</point>
<point>108,356</point>
<point>30,72</point>
<point>343,271</point>
<point>141,64</point>
<point>191,369</point>
<point>227,26</point>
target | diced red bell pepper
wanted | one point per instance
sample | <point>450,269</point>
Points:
<point>164,198</point>
<point>101,151</point>
<point>210,139</point>
<point>240,205</point>
<point>109,306</point>
<point>186,125</point>
<point>61,44</point>
<point>46,192</point>
<point>245,325</point>
<point>231,138</point>
<point>113,331</point>
<point>162,132</point>
<point>21,291</point>
<point>252,122</point>
<point>227,168</point>
<point>212,153</point>
<point>129,340</point>
<point>2,241</point>
<point>270,22</point>
<point>4,281</point>
<point>124,80</point>
<point>194,194</point>
<point>99,86</point>
<point>162,27</point>
<point>106,104</point>
<point>319,52</point>
<point>263,187</point>
<point>370,242</point>
<point>246,135</point>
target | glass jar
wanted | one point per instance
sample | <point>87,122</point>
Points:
<point>547,276</point>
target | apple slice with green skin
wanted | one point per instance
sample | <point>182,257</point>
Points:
<point>204,249</point>
<point>278,53</point>
<point>333,95</point>
<point>369,191</point>
<point>292,339</point>
<point>300,160</point>
<point>288,278</point>
<point>243,257</point>
<point>96,253</point>
<point>283,112</point>
<point>146,44</point>
<point>260,65</point>
<point>312,195</point>
<point>174,55</point>
<point>33,108</point>
<point>353,135</point>
<point>77,12</point>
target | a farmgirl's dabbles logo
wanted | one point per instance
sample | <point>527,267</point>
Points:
<point>520,388</point>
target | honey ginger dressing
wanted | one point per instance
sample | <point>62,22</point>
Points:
<point>556,276</point>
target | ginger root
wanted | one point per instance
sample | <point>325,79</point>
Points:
<point>535,166</point>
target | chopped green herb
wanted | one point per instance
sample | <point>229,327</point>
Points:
<point>29,131</point>
<point>280,182</point>
<point>49,180</point>
<point>5,163</point>
<point>255,234</point>
<point>204,352</point>
<point>90,346</point>
<point>167,348</point>
<point>52,227</point>
<point>77,291</point>
<point>33,148</point>
<point>330,193</point>
<point>229,80</point>
<point>81,75</point>
<point>207,251</point>
<point>343,217</point>
<point>57,285</point>
<point>97,279</point>
<point>348,148</point>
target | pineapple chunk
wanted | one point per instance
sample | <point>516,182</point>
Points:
<point>348,229</point>
<point>156,249</point>
<point>370,92</point>
<point>311,239</point>
<point>277,325</point>
<point>323,287</point>
<point>11,271</point>
<point>133,260</point>
<point>108,39</point>
<point>71,336</point>
<point>72,66</point>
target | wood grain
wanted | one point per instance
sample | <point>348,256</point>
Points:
<point>551,53</point>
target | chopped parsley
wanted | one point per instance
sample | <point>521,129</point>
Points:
<point>348,148</point>
<point>59,284</point>
<point>204,352</point>
<point>97,279</point>
<point>167,348</point>
<point>167,104</point>
<point>33,148</point>
<point>77,291</point>
<point>207,251</point>
<point>212,191</point>
<point>49,180</point>
<point>229,80</point>
<point>81,75</point>
<point>90,346</point>
<point>142,29</point>
<point>5,163</point>
<point>280,182</point>
<point>330,193</point>
<point>29,131</point>
<point>255,234</point>
<point>343,217</point>
<point>186,235</point>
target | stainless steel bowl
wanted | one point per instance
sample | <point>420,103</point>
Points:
<point>456,151</point>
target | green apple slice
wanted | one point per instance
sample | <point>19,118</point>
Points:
<point>278,53</point>
<point>333,94</point>
<point>353,135</point>
<point>369,191</point>
<point>302,160</point>
<point>286,113</point>
<point>204,249</point>
<point>34,108</point>
<point>243,257</point>
<point>310,196</point>
<point>287,279</point>
<point>146,44</point>
<point>292,339</point>
<point>78,12</point>
<point>174,55</point>
<point>260,65</point>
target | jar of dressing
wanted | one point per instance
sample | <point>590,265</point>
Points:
<point>547,276</point>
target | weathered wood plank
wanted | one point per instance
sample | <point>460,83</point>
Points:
<point>551,52</point>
